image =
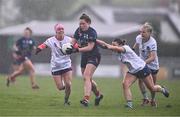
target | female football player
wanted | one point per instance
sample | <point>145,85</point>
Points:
<point>90,58</point>
<point>137,69</point>
<point>60,63</point>
<point>22,56</point>
<point>148,52</point>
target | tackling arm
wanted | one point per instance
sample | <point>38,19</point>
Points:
<point>111,47</point>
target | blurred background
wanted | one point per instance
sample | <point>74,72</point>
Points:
<point>111,19</point>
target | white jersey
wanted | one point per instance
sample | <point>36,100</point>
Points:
<point>131,59</point>
<point>145,48</point>
<point>58,60</point>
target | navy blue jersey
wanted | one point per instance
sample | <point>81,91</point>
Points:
<point>25,46</point>
<point>83,37</point>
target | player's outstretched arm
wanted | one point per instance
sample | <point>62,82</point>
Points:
<point>101,44</point>
<point>73,41</point>
<point>111,47</point>
<point>40,48</point>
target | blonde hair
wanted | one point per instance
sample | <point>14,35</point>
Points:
<point>148,26</point>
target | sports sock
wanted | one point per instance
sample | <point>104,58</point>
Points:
<point>97,94</point>
<point>86,98</point>
<point>145,96</point>
<point>129,103</point>
<point>163,90</point>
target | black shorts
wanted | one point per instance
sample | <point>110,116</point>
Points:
<point>95,60</point>
<point>142,73</point>
<point>20,60</point>
<point>60,72</point>
<point>154,72</point>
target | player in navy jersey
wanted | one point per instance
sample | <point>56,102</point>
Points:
<point>86,37</point>
<point>22,56</point>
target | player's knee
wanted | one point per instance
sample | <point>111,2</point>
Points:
<point>32,71</point>
<point>152,89</point>
<point>18,73</point>
<point>125,85</point>
<point>68,86</point>
<point>87,77</point>
<point>60,88</point>
<point>140,82</point>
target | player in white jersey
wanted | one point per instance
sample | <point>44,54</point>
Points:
<point>137,69</point>
<point>148,52</point>
<point>60,63</point>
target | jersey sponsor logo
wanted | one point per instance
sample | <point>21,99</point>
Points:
<point>148,48</point>
<point>86,36</point>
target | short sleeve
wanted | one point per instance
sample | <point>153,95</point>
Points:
<point>92,36</point>
<point>18,42</point>
<point>126,48</point>
<point>47,42</point>
<point>152,47</point>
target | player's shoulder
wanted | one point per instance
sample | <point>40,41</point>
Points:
<point>127,48</point>
<point>67,37</point>
<point>92,29</point>
<point>77,30</point>
<point>152,40</point>
<point>20,39</point>
<point>50,39</point>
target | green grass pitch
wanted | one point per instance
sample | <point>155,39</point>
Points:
<point>21,100</point>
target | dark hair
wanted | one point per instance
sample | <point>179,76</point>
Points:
<point>86,18</point>
<point>29,29</point>
<point>119,41</point>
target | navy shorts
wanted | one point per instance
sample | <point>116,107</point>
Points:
<point>142,73</point>
<point>20,60</point>
<point>60,72</point>
<point>95,60</point>
<point>154,72</point>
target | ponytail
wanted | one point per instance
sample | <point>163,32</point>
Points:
<point>86,18</point>
<point>119,41</point>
